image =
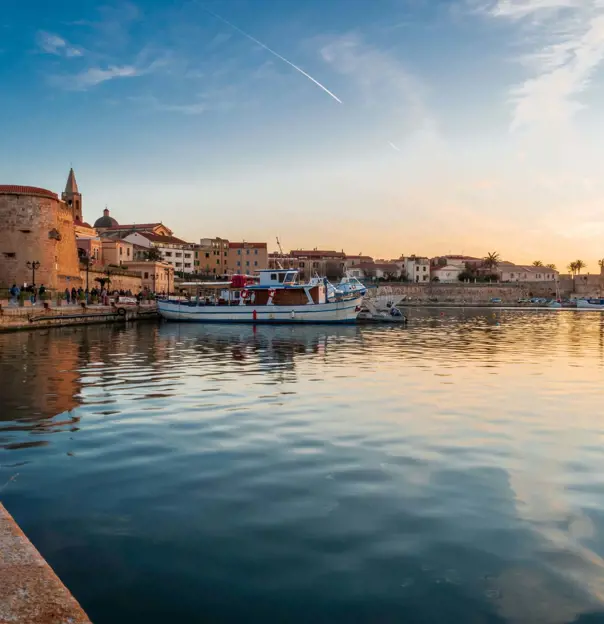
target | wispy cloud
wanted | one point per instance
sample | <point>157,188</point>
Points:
<point>50,43</point>
<point>387,86</point>
<point>94,76</point>
<point>566,40</point>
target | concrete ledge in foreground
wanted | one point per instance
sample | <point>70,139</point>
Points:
<point>30,592</point>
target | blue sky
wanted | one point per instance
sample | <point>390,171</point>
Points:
<point>461,126</point>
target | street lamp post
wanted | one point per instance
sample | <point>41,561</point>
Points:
<point>33,265</point>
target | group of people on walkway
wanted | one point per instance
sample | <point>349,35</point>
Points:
<point>33,292</point>
<point>76,295</point>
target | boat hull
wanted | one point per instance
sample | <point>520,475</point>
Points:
<point>333,312</point>
<point>582,304</point>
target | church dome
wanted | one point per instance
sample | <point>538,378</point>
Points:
<point>105,221</point>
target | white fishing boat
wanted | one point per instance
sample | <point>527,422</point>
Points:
<point>277,297</point>
<point>590,304</point>
<point>351,285</point>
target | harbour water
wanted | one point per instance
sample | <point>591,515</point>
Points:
<point>450,471</point>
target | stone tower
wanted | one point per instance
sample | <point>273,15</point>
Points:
<point>72,197</point>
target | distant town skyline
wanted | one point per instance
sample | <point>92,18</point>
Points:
<point>387,128</point>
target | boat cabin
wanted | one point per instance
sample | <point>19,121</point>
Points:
<point>274,278</point>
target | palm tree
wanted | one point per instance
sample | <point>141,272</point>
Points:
<point>491,260</point>
<point>572,268</point>
<point>601,264</point>
<point>579,264</point>
<point>551,266</point>
<point>537,263</point>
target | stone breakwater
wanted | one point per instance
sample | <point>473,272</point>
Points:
<point>39,316</point>
<point>464,294</point>
<point>30,592</point>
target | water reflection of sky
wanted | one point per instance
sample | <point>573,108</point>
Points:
<point>457,460</point>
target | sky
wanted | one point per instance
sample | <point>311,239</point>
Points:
<point>382,127</point>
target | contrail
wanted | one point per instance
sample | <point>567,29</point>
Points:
<point>393,146</point>
<point>262,45</point>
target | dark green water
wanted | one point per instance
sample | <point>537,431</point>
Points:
<point>452,471</point>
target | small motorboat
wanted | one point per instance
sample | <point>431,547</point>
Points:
<point>371,314</point>
<point>590,304</point>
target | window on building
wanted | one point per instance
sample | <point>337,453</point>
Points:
<point>146,275</point>
<point>315,265</point>
<point>239,252</point>
<point>226,253</point>
<point>255,262</point>
<point>168,254</point>
<point>425,279</point>
<point>121,251</point>
<point>128,251</point>
<point>217,261</point>
<point>425,269</point>
<point>187,265</point>
<point>301,265</point>
<point>238,263</point>
<point>256,252</point>
<point>207,254</point>
<point>187,255</point>
<point>178,255</point>
<point>247,252</point>
<point>247,264</point>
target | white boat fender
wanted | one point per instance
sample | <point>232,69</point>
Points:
<point>293,315</point>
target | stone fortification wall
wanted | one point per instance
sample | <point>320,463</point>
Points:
<point>120,280</point>
<point>36,226</point>
<point>467,293</point>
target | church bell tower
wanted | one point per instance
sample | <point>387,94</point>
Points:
<point>72,197</point>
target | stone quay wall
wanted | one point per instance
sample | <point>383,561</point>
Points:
<point>120,279</point>
<point>36,317</point>
<point>30,592</point>
<point>465,293</point>
<point>37,227</point>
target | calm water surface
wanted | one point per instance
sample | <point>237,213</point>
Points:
<point>452,471</point>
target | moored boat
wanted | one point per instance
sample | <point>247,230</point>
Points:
<point>277,297</point>
<point>590,304</point>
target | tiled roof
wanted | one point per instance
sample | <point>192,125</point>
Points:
<point>158,238</point>
<point>13,189</point>
<point>316,253</point>
<point>247,245</point>
<point>386,266</point>
<point>135,226</point>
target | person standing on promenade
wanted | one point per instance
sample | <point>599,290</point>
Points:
<point>42,291</point>
<point>67,296</point>
<point>74,295</point>
<point>15,291</point>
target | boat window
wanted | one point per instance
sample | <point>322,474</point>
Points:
<point>290,278</point>
<point>281,277</point>
<point>273,277</point>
